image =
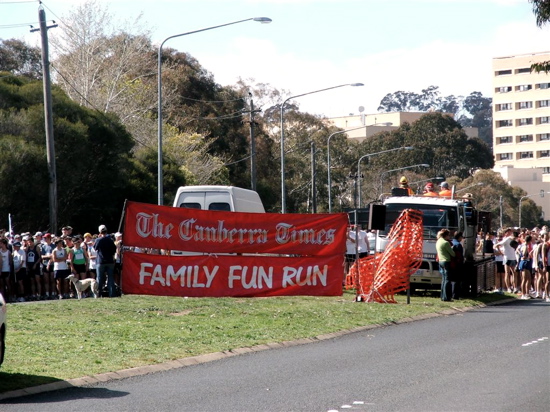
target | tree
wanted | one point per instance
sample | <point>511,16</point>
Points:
<point>541,8</point>
<point>429,100</point>
<point>20,59</point>
<point>93,159</point>
<point>438,141</point>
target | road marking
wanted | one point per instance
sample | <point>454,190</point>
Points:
<point>539,340</point>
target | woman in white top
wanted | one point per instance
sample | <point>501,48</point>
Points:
<point>60,267</point>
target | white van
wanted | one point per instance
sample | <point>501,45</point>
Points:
<point>226,198</point>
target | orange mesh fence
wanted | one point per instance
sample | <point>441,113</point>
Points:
<point>378,278</point>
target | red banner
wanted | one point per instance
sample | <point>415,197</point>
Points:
<point>171,228</point>
<point>231,275</point>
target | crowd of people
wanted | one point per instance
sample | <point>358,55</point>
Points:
<point>521,257</point>
<point>35,267</point>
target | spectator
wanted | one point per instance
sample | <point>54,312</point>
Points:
<point>456,275</point>
<point>445,192</point>
<point>429,190</point>
<point>509,244</point>
<point>526,266</point>
<point>444,255</point>
<point>20,270</point>
<point>46,249</point>
<point>6,265</point>
<point>105,248</point>
<point>546,265</point>
<point>60,267</point>
<point>78,259</point>
<point>34,274</point>
<point>92,254</point>
<point>501,281</point>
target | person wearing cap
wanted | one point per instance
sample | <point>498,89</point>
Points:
<point>20,270</point>
<point>429,190</point>
<point>105,260</point>
<point>445,192</point>
<point>46,249</point>
<point>404,184</point>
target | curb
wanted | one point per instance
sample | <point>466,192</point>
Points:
<point>210,357</point>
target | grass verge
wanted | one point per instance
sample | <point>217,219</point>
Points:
<point>57,340</point>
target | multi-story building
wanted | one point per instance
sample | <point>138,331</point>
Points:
<point>521,124</point>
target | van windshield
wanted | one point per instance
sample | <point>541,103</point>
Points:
<point>434,217</point>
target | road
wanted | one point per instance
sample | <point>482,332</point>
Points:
<point>490,359</point>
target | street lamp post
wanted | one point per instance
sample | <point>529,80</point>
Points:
<point>329,181</point>
<point>159,162</point>
<point>395,170</point>
<point>358,197</point>
<point>283,194</point>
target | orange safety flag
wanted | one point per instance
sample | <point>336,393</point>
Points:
<point>379,278</point>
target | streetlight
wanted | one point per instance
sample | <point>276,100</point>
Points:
<point>160,174</point>
<point>541,194</point>
<point>369,155</point>
<point>283,195</point>
<point>400,168</point>
<point>328,164</point>
<point>467,187</point>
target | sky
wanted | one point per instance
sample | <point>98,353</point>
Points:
<point>388,45</point>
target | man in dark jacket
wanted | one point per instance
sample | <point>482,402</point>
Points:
<point>105,261</point>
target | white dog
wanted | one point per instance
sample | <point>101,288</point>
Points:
<point>82,285</point>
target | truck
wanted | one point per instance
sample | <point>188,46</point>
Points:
<point>214,197</point>
<point>438,213</point>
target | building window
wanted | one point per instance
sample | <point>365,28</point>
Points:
<point>503,72</point>
<point>525,155</point>
<point>526,121</point>
<point>504,123</point>
<point>544,153</point>
<point>524,87</point>
<point>525,138</point>
<point>505,156</point>
<point>505,139</point>
<point>543,103</point>
<point>523,70</point>
<point>504,106</point>
<point>543,120</point>
<point>504,89</point>
<point>525,105</point>
<point>544,137</point>
<point>543,86</point>
<point>546,170</point>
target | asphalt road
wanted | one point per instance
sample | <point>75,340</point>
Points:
<point>491,359</point>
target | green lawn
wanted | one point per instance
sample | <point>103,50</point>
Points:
<point>48,341</point>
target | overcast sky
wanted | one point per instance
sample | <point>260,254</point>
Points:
<point>388,45</point>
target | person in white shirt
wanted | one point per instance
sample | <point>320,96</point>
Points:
<point>20,269</point>
<point>510,260</point>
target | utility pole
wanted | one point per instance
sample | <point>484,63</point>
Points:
<point>252,144</point>
<point>48,117</point>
